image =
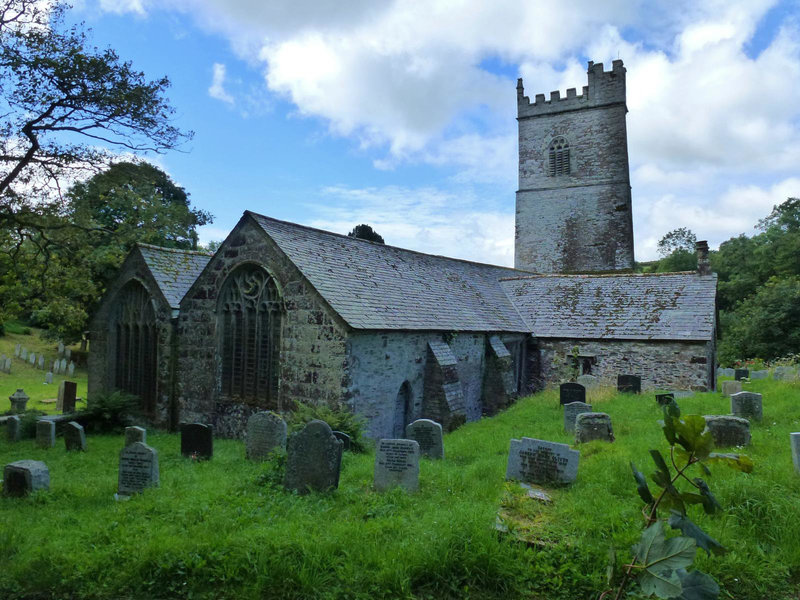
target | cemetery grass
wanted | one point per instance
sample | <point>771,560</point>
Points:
<point>223,529</point>
<point>24,376</point>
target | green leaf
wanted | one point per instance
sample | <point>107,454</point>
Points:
<point>660,557</point>
<point>710,503</point>
<point>690,498</point>
<point>701,538</point>
<point>696,585</point>
<point>689,431</point>
<point>661,465</point>
<point>644,491</point>
<point>740,462</point>
<point>671,415</point>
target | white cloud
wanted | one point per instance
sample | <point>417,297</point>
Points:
<point>217,88</point>
<point>121,7</point>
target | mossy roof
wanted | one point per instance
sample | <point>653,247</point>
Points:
<point>174,270</point>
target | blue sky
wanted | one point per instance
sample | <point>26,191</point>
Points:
<point>401,114</point>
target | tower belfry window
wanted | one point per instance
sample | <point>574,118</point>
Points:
<point>558,156</point>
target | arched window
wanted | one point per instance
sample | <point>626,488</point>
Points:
<point>558,155</point>
<point>133,325</point>
<point>250,325</point>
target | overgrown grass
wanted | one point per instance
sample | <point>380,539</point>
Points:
<point>216,530</point>
<point>24,376</point>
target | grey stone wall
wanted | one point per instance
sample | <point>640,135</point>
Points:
<point>669,365</point>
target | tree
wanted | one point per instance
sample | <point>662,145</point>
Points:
<point>365,232</point>
<point>677,239</point>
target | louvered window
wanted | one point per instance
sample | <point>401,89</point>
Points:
<point>559,157</point>
<point>250,324</point>
<point>136,345</point>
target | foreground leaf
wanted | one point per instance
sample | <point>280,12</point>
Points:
<point>644,491</point>
<point>689,431</point>
<point>740,462</point>
<point>710,503</point>
<point>660,557</point>
<point>696,585</point>
<point>701,538</point>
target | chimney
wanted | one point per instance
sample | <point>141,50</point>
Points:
<point>703,266</point>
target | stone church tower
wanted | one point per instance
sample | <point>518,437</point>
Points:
<point>574,199</point>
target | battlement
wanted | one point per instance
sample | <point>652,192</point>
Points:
<point>604,87</point>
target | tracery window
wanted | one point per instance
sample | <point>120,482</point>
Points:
<point>133,325</point>
<point>250,324</point>
<point>558,155</point>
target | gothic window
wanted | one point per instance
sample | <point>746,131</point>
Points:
<point>133,325</point>
<point>558,156</point>
<point>250,325</point>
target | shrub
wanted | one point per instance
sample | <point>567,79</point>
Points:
<point>110,412</point>
<point>339,420</point>
<point>27,423</point>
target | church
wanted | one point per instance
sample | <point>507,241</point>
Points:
<point>284,314</point>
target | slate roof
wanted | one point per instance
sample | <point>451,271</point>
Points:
<point>374,286</point>
<point>174,270</point>
<point>668,306</point>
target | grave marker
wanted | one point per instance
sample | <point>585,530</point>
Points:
<point>783,373</point>
<point>24,354</point>
<point>8,366</point>
<point>538,461</point>
<point>728,431</point>
<point>266,431</point>
<point>41,362</point>
<point>60,349</point>
<point>32,359</point>
<point>741,374</point>
<point>731,387</point>
<point>67,391</point>
<point>70,369</point>
<point>135,434</point>
<point>397,463</point>
<point>314,458</point>
<point>19,400</point>
<point>629,384</point>
<point>17,350</point>
<point>588,381</point>
<point>747,405</point>
<point>62,366</point>
<point>571,412</point>
<point>197,440</point>
<point>25,476</point>
<point>763,374</point>
<point>726,372</point>
<point>14,428</point>
<point>138,469</point>
<point>794,440</point>
<point>664,399</point>
<point>344,438</point>
<point>45,434</point>
<point>74,437</point>
<point>48,377</point>
<point>68,353</point>
<point>428,434</point>
<point>571,392</point>
<point>593,426</point>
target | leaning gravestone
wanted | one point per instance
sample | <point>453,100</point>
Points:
<point>763,374</point>
<point>74,437</point>
<point>741,374</point>
<point>728,431</point>
<point>45,434</point>
<point>587,381</point>
<point>48,377</point>
<point>629,384</point>
<point>747,405</point>
<point>266,431</point>
<point>593,426</point>
<point>571,392</point>
<point>314,459</point>
<point>538,461</point>
<point>428,434</point>
<point>14,428</point>
<point>794,439</point>
<point>571,412</point>
<point>397,463</point>
<point>197,440</point>
<point>664,399</point>
<point>344,438</point>
<point>67,390</point>
<point>726,372</point>
<point>25,476</point>
<point>138,469</point>
<point>135,434</point>
<point>731,387</point>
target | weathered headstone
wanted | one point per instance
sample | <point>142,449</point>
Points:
<point>794,439</point>
<point>731,387</point>
<point>67,390</point>
<point>784,373</point>
<point>762,374</point>
<point>571,392</point>
<point>24,354</point>
<point>593,426</point>
<point>397,463</point>
<point>664,399</point>
<point>8,366</point>
<point>14,428</point>
<point>48,377</point>
<point>728,430</point>
<point>629,384</point>
<point>587,381</point>
<point>571,412</point>
<point>70,369</point>
<point>45,434</point>
<point>138,469</point>
<point>344,438</point>
<point>60,349</point>
<point>747,405</point>
<point>197,440</point>
<point>17,350</point>
<point>19,400</point>
<point>538,461</point>
<point>62,366</point>
<point>266,432</point>
<point>40,362</point>
<point>32,358</point>
<point>314,458</point>
<point>741,374</point>
<point>25,476</point>
<point>135,434</point>
<point>68,353</point>
<point>428,434</point>
<point>726,372</point>
<point>74,437</point>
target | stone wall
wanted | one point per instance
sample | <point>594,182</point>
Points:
<point>666,365</point>
<point>312,347</point>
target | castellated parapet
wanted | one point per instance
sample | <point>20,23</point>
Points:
<point>574,199</point>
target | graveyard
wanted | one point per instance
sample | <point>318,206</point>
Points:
<point>218,525</point>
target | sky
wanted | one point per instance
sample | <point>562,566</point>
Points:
<point>401,114</point>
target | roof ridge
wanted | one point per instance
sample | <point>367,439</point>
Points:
<point>174,250</point>
<point>601,275</point>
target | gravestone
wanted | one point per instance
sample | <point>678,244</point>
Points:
<point>17,350</point>
<point>397,463</point>
<point>664,399</point>
<point>728,431</point>
<point>135,434</point>
<point>68,353</point>
<point>747,405</point>
<point>60,349</point>
<point>70,369</point>
<point>41,362</point>
<point>593,426</point>
<point>726,372</point>
<point>314,459</point>
<point>24,354</point>
<point>45,434</point>
<point>74,437</point>
<point>783,373</point>
<point>731,387</point>
<point>48,377</point>
<point>19,400</point>
<point>571,412</point>
<point>197,440</point>
<point>62,366</point>
<point>538,461</point>
<point>3,358</point>
<point>587,381</point>
<point>428,434</point>
<point>629,384</point>
<point>344,438</point>
<point>67,390</point>
<point>8,366</point>
<point>741,374</point>
<point>138,469</point>
<point>763,374</point>
<point>794,440</point>
<point>266,431</point>
<point>14,428</point>
<point>32,358</point>
<point>25,476</point>
<point>571,392</point>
